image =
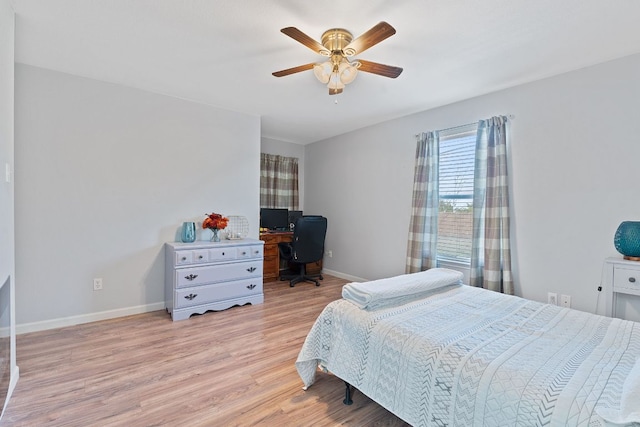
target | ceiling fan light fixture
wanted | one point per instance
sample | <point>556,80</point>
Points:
<point>335,82</point>
<point>323,71</point>
<point>339,45</point>
<point>348,71</point>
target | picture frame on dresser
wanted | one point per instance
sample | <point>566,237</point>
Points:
<point>212,276</point>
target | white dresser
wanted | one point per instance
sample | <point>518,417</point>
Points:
<point>203,276</point>
<point>621,277</point>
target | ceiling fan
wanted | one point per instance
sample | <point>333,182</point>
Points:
<point>338,45</point>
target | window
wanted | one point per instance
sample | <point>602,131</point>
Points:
<point>455,213</point>
<point>278,181</point>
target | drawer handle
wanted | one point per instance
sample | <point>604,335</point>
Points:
<point>222,253</point>
<point>632,279</point>
<point>200,257</point>
<point>190,296</point>
<point>184,258</point>
<point>257,252</point>
<point>191,276</point>
<point>251,269</point>
<point>244,252</point>
<point>251,286</point>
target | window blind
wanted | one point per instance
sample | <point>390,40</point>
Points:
<point>455,214</point>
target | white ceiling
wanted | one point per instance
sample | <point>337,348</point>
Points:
<point>222,53</point>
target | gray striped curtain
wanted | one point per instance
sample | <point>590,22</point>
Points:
<point>491,250</point>
<point>423,227</point>
<point>278,181</point>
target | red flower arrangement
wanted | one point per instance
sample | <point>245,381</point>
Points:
<point>215,221</point>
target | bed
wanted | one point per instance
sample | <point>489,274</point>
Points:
<point>436,352</point>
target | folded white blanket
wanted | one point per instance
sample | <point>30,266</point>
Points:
<point>629,412</point>
<point>395,290</point>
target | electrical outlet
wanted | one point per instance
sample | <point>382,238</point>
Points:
<point>97,284</point>
<point>329,254</point>
<point>552,298</point>
<point>565,300</point>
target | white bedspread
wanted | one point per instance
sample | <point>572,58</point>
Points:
<point>469,357</point>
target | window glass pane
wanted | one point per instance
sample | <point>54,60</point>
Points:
<point>455,216</point>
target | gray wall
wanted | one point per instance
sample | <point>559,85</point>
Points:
<point>574,154</point>
<point>105,175</point>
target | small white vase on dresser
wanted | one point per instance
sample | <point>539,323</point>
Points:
<point>203,276</point>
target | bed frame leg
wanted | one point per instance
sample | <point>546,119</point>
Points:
<point>347,394</point>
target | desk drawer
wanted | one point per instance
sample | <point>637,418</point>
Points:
<point>270,250</point>
<point>626,278</point>
<point>271,267</point>
<point>187,297</point>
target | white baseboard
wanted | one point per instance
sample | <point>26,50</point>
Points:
<point>344,276</point>
<point>86,318</point>
<point>111,314</point>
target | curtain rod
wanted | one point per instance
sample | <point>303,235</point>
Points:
<point>509,116</point>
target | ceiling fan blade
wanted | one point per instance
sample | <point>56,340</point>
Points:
<point>301,37</point>
<point>294,70</point>
<point>372,37</point>
<point>379,69</point>
<point>333,91</point>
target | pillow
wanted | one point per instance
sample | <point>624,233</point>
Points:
<point>393,290</point>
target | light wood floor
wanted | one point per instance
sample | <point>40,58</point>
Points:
<point>228,368</point>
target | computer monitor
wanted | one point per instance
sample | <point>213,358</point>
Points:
<point>274,219</point>
<point>293,216</point>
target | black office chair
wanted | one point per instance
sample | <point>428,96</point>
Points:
<point>307,245</point>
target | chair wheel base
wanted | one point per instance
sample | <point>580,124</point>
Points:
<point>299,279</point>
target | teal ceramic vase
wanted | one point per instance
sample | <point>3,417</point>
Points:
<point>188,232</point>
<point>627,239</point>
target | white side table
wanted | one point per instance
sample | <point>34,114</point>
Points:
<point>621,277</point>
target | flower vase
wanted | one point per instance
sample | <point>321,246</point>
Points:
<point>215,237</point>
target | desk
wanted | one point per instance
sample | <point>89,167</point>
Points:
<point>272,266</point>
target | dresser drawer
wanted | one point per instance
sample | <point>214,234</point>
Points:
<point>626,278</point>
<point>222,254</point>
<point>244,252</point>
<point>218,273</point>
<point>257,251</point>
<point>217,292</point>
<point>191,257</point>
